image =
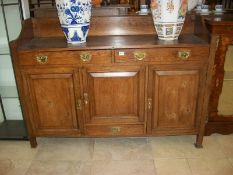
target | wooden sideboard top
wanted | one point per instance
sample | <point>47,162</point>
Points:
<point>110,42</point>
<point>110,32</point>
<point>220,24</point>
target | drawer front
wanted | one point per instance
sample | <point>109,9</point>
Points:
<point>161,55</point>
<point>115,130</point>
<point>65,58</point>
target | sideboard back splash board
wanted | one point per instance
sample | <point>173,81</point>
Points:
<point>108,25</point>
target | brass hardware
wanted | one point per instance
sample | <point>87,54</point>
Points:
<point>42,59</point>
<point>79,104</point>
<point>139,55</point>
<point>85,56</point>
<point>149,103</point>
<point>116,129</point>
<point>86,99</point>
<point>184,55</point>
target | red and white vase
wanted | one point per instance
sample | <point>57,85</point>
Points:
<point>169,17</point>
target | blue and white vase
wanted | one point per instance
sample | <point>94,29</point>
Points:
<point>74,16</point>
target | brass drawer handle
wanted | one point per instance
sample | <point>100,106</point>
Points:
<point>184,55</point>
<point>85,56</point>
<point>42,59</point>
<point>139,55</point>
<point>116,129</point>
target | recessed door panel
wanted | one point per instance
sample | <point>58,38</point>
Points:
<point>114,96</point>
<point>53,100</point>
<point>174,98</point>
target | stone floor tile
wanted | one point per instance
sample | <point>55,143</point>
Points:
<point>211,148</point>
<point>129,167</point>
<point>16,150</point>
<point>226,143</point>
<point>14,167</point>
<point>172,166</point>
<point>66,149</point>
<point>122,149</point>
<point>166,147</point>
<point>59,168</point>
<point>231,160</point>
<point>210,166</point>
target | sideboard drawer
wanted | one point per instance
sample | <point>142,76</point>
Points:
<point>65,57</point>
<point>163,55</point>
<point>115,130</point>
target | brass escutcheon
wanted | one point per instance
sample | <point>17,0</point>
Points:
<point>42,59</point>
<point>85,98</point>
<point>184,55</point>
<point>79,104</point>
<point>85,56</point>
<point>116,129</point>
<point>149,106</point>
<point>139,55</point>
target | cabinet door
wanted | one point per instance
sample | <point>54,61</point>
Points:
<point>173,98</point>
<point>51,98</point>
<point>114,99</point>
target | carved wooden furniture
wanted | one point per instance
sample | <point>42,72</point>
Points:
<point>227,4</point>
<point>122,82</point>
<point>41,2</point>
<point>221,29</point>
<point>111,10</point>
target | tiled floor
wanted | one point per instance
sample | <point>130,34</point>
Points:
<point>171,155</point>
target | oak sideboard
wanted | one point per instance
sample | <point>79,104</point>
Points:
<point>122,82</point>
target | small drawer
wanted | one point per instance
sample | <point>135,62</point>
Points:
<point>115,130</point>
<point>65,57</point>
<point>163,55</point>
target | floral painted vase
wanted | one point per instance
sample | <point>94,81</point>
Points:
<point>193,3</point>
<point>168,17</point>
<point>74,16</point>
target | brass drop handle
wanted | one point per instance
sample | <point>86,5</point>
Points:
<point>85,56</point>
<point>79,104</point>
<point>42,59</point>
<point>85,98</point>
<point>139,55</point>
<point>184,55</point>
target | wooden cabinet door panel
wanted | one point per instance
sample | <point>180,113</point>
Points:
<point>115,95</point>
<point>53,100</point>
<point>174,97</point>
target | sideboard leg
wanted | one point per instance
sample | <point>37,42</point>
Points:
<point>199,141</point>
<point>33,142</point>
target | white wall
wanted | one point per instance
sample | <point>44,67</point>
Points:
<point>6,72</point>
<point>1,115</point>
<point>12,109</point>
<point>7,79</point>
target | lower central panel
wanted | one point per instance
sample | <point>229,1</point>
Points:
<point>114,100</point>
